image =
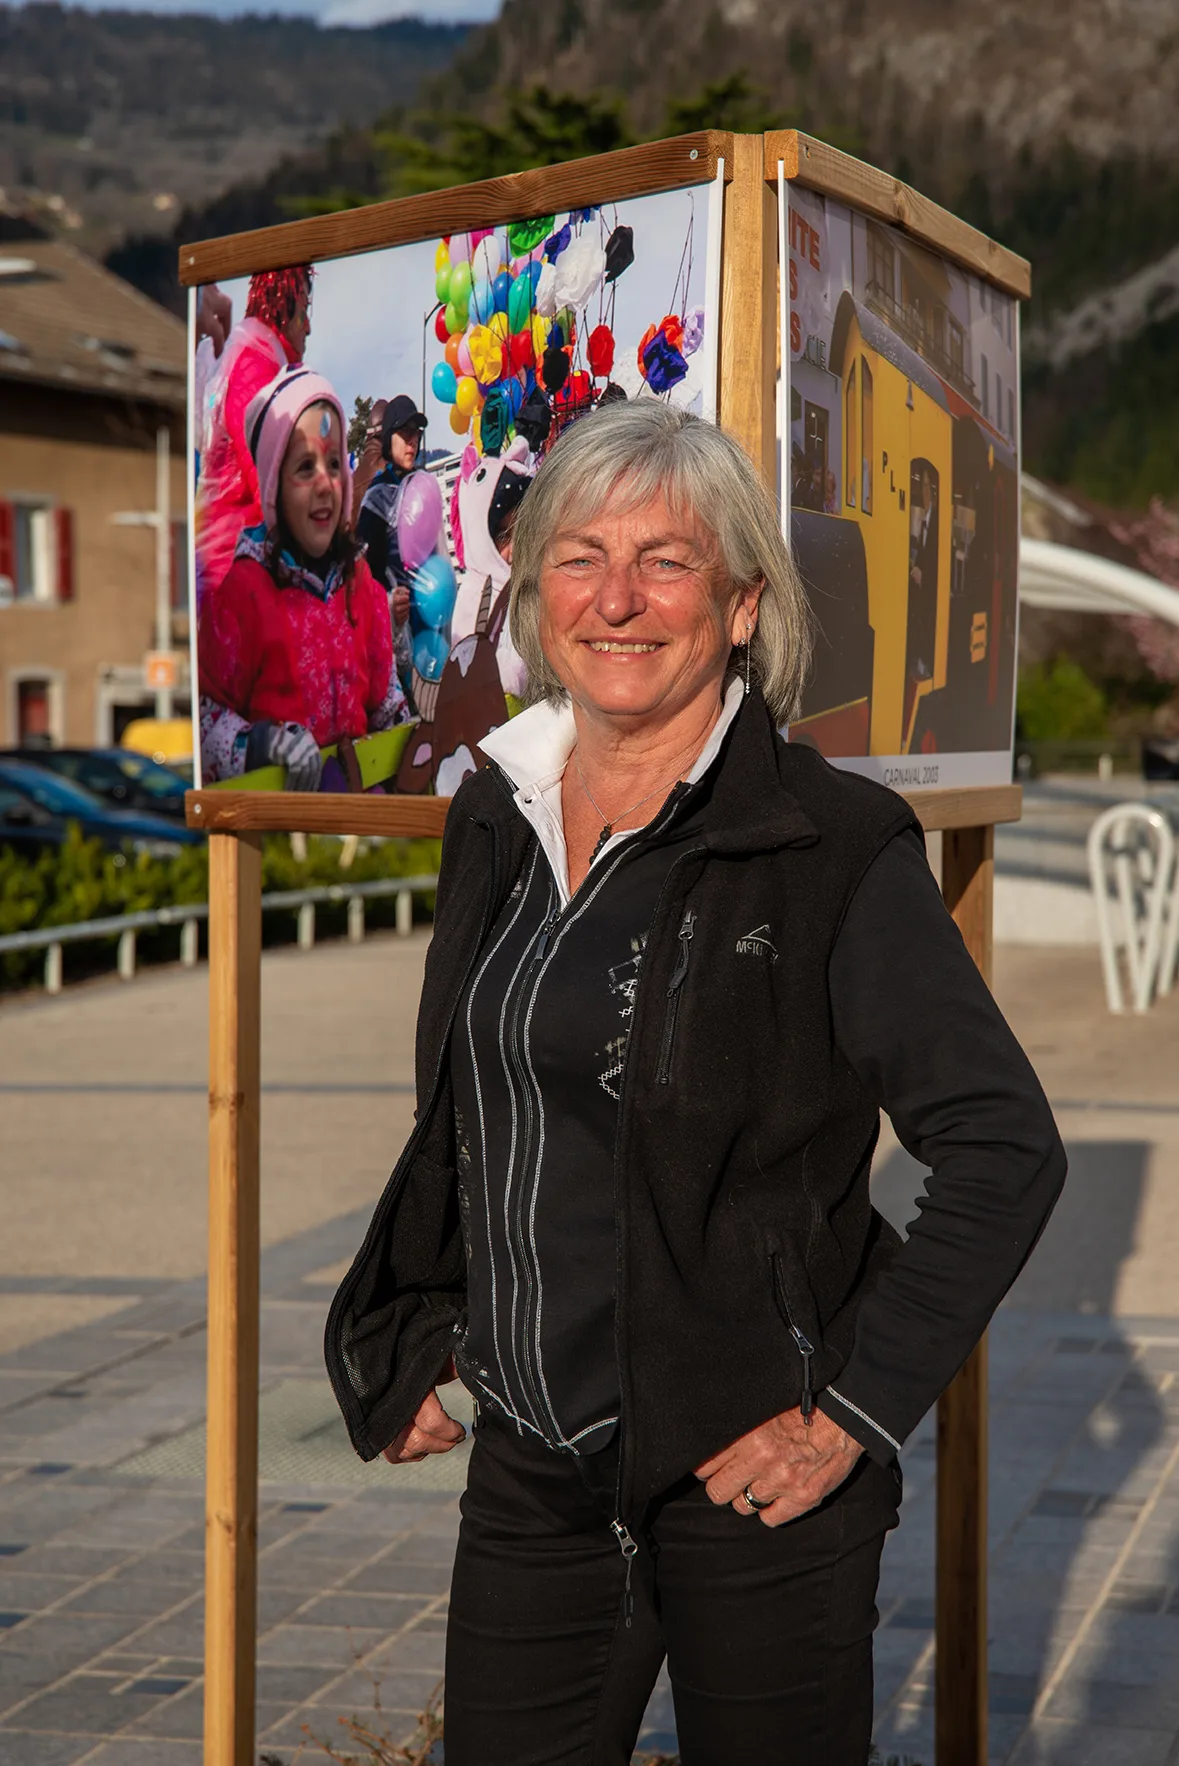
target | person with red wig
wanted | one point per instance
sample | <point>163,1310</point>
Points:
<point>272,336</point>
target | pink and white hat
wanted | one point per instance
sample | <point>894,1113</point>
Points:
<point>271,416</point>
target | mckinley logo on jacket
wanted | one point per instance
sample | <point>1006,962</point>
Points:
<point>757,944</point>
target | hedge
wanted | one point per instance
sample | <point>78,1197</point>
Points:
<point>82,881</point>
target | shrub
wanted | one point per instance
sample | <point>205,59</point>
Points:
<point>1059,703</point>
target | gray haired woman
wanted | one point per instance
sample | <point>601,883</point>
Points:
<point>679,966</point>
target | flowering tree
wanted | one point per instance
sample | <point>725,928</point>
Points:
<point>1154,540</point>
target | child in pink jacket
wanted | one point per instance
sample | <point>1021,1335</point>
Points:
<point>294,645</point>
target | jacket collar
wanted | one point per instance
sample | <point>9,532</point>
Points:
<point>750,809</point>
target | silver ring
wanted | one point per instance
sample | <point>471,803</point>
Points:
<point>757,1502</point>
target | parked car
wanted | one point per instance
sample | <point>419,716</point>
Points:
<point>120,777</point>
<point>26,827</point>
<point>51,799</point>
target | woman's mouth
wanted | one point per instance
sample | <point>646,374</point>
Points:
<point>620,647</point>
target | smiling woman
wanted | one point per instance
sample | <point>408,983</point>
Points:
<point>678,968</point>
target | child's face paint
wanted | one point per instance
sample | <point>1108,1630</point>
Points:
<point>311,488</point>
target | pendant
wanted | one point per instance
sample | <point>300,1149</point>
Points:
<point>602,839</point>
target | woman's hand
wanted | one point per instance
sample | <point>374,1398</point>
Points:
<point>432,1430</point>
<point>795,1463</point>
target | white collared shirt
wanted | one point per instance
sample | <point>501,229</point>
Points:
<point>533,749</point>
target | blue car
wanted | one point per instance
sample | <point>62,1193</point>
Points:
<point>36,807</point>
<point>122,778</point>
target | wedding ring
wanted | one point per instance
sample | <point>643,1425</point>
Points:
<point>757,1502</point>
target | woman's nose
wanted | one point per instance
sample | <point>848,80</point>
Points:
<point>620,592</point>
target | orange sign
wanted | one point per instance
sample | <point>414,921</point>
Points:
<point>159,670</point>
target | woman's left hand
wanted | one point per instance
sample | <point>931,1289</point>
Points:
<point>792,1462</point>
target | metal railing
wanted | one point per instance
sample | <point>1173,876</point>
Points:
<point>188,915</point>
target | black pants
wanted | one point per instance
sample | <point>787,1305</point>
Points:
<point>767,1631</point>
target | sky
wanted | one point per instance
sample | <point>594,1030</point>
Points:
<point>327,12</point>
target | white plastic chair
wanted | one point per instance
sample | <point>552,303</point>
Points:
<point>1132,848</point>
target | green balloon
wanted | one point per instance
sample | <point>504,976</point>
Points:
<point>523,235</point>
<point>442,283</point>
<point>460,284</point>
<point>519,303</point>
<point>455,321</point>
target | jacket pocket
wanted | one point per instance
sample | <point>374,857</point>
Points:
<point>797,1307</point>
<point>675,988</point>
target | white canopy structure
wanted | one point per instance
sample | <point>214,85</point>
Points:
<point>1067,580</point>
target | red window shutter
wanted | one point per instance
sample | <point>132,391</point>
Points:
<point>64,525</point>
<point>8,542</point>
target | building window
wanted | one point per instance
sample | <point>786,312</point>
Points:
<point>34,728</point>
<point>881,263</point>
<point>36,552</point>
<point>986,388</point>
<point>851,462</point>
<point>957,348</point>
<point>866,428</point>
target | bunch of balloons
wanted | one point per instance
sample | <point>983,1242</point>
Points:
<point>433,585</point>
<point>508,299</point>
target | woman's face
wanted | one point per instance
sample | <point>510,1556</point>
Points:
<point>298,327</point>
<point>311,487</point>
<point>637,618</point>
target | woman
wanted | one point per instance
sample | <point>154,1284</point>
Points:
<point>678,968</point>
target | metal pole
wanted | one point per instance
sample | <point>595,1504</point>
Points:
<point>163,527</point>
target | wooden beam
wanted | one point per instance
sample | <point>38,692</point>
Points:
<point>968,868</point>
<point>231,1473</point>
<point>967,807</point>
<point>748,352</point>
<point>819,167</point>
<point>314,812</point>
<point>607,177</point>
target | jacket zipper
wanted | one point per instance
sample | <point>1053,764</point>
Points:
<point>802,1343</point>
<point>675,986</point>
<point>346,1396</point>
<point>618,1526</point>
<point>629,1550</point>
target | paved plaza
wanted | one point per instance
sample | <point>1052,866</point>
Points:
<point>102,1126</point>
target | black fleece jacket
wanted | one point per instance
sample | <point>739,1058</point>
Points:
<point>752,1268</point>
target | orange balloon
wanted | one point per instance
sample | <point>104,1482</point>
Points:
<point>451,353</point>
<point>460,421</point>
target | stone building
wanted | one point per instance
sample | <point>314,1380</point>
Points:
<point>90,371</point>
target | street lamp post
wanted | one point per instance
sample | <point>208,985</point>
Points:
<point>159,518</point>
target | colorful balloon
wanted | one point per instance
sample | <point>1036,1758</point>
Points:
<point>455,320</point>
<point>433,588</point>
<point>419,518</point>
<point>487,258</point>
<point>466,395</point>
<point>540,336</point>
<point>452,353</point>
<point>460,248</point>
<point>442,254</point>
<point>482,302</point>
<point>460,421</point>
<point>520,302</point>
<point>521,353</point>
<point>430,651</point>
<point>443,383</point>
<point>501,288</point>
<point>498,323</point>
<point>440,331</point>
<point>442,283</point>
<point>465,364</point>
<point>460,284</point>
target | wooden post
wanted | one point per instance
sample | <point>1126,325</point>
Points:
<point>968,874</point>
<point>749,333</point>
<point>231,1474</point>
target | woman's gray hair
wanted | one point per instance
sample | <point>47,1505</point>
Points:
<point>627,455</point>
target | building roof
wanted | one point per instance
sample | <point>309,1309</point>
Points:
<point>67,322</point>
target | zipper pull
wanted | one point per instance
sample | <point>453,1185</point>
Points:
<point>542,942</point>
<point>687,927</point>
<point>629,1550</point>
<point>806,1349</point>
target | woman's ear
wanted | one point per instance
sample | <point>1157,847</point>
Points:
<point>745,614</point>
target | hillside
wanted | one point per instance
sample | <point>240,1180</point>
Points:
<point>114,122</point>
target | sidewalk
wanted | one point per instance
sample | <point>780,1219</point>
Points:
<point>101,1388</point>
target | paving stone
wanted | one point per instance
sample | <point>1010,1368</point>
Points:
<point>27,1748</point>
<point>1052,1743</point>
<point>85,1704</point>
<point>312,1645</point>
<point>131,1750</point>
<point>389,1612</point>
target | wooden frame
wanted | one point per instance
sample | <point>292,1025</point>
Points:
<point>236,820</point>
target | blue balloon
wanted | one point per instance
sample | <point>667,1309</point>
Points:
<point>443,383</point>
<point>430,650</point>
<point>500,289</point>
<point>482,303</point>
<point>533,273</point>
<point>434,589</point>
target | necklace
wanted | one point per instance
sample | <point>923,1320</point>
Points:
<point>609,821</point>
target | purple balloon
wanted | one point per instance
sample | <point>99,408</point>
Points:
<point>419,519</point>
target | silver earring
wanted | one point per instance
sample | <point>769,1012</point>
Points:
<point>748,643</point>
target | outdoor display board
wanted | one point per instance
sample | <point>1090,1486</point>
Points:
<point>484,343</point>
<point>900,468</point>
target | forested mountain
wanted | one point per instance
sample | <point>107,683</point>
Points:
<point>114,122</point>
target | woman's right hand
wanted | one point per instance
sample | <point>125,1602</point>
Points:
<point>432,1431</point>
